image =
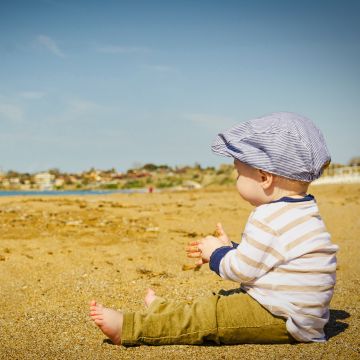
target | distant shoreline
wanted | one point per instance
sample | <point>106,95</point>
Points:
<point>4,193</point>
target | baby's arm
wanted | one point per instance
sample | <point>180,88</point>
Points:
<point>237,262</point>
<point>258,252</point>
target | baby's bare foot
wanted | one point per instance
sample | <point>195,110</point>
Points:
<point>109,321</point>
<point>150,297</point>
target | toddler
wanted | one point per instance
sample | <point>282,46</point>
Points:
<point>285,263</point>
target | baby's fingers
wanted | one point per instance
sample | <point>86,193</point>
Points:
<point>194,243</point>
<point>193,252</point>
<point>196,254</point>
<point>192,249</point>
<point>220,229</point>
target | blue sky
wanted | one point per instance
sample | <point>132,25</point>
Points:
<point>118,83</point>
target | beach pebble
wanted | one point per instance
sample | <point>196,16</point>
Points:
<point>74,222</point>
<point>152,229</point>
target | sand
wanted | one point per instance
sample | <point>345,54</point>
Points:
<point>58,253</point>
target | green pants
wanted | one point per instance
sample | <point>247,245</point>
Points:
<point>222,319</point>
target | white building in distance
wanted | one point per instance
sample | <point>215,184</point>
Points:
<point>44,181</point>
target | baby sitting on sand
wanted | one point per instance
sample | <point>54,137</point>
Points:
<point>285,263</point>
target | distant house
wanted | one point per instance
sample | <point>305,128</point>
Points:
<point>44,181</point>
<point>59,182</point>
<point>26,185</point>
<point>5,183</point>
<point>14,181</point>
<point>191,185</point>
<point>95,176</point>
<point>118,176</point>
<point>339,175</point>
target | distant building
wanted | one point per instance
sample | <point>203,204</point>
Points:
<point>95,176</point>
<point>14,181</point>
<point>340,175</point>
<point>44,181</point>
<point>191,185</point>
<point>26,185</point>
<point>5,183</point>
<point>59,182</point>
<point>118,176</point>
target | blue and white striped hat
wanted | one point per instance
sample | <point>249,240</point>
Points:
<point>282,143</point>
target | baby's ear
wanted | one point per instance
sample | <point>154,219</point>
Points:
<point>266,179</point>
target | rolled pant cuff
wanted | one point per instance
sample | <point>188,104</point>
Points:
<point>127,336</point>
<point>128,330</point>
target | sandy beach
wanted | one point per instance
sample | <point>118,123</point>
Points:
<point>58,253</point>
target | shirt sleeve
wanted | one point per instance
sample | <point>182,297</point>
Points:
<point>258,253</point>
<point>218,254</point>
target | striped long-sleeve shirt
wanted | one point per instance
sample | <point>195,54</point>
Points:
<point>286,262</point>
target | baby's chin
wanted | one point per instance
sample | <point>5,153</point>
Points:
<point>253,201</point>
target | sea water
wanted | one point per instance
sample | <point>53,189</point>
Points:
<point>68,192</point>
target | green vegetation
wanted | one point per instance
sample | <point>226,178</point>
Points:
<point>133,184</point>
<point>168,182</point>
<point>109,186</point>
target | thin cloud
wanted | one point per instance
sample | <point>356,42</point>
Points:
<point>32,95</point>
<point>161,68</point>
<point>116,49</point>
<point>50,44</point>
<point>83,107</point>
<point>83,111</point>
<point>10,112</point>
<point>208,120</point>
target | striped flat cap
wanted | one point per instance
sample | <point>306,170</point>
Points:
<point>282,143</point>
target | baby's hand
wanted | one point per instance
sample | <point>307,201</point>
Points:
<point>203,249</point>
<point>208,245</point>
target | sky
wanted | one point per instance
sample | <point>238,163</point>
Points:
<point>116,84</point>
